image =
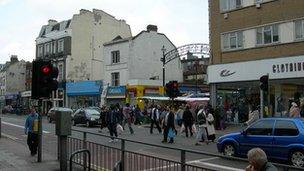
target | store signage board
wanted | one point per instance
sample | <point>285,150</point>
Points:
<point>277,68</point>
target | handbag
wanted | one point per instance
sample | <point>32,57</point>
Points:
<point>171,133</point>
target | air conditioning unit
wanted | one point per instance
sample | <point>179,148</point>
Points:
<point>225,15</point>
<point>258,5</point>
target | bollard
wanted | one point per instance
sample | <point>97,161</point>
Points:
<point>122,166</point>
<point>84,147</point>
<point>183,160</point>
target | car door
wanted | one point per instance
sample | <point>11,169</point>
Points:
<point>82,117</point>
<point>285,133</point>
<point>259,134</point>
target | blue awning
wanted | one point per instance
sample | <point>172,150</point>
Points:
<point>186,89</point>
<point>83,88</point>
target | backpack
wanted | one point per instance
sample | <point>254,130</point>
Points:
<point>201,118</point>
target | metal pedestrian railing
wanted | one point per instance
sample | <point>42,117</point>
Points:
<point>107,158</point>
<point>85,164</point>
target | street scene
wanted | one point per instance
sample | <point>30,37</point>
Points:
<point>142,86</point>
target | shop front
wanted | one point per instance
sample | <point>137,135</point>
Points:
<point>235,87</point>
<point>134,92</point>
<point>83,93</point>
<point>116,94</point>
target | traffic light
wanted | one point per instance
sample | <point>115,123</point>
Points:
<point>264,82</point>
<point>172,89</point>
<point>44,77</point>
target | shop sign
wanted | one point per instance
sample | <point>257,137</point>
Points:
<point>26,94</point>
<point>116,90</point>
<point>151,91</point>
<point>277,68</point>
<point>83,88</point>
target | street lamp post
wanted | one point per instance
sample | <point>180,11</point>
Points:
<point>196,81</point>
<point>163,49</point>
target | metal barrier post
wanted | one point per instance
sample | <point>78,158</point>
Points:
<point>122,155</point>
<point>39,138</point>
<point>84,147</point>
<point>183,160</point>
<point>0,127</point>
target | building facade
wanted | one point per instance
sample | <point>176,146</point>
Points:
<point>76,47</point>
<point>251,38</point>
<point>137,60</point>
<point>194,74</point>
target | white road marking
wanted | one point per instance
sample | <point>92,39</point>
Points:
<point>9,136</point>
<point>220,166</point>
<point>19,126</point>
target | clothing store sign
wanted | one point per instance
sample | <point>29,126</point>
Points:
<point>277,68</point>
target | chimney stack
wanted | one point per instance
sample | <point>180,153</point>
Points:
<point>152,28</point>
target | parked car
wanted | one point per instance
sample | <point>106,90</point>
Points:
<point>95,107</point>
<point>51,115</point>
<point>86,116</point>
<point>280,138</point>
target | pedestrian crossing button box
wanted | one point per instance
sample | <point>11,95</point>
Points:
<point>63,123</point>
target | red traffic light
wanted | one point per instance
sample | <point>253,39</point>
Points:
<point>45,69</point>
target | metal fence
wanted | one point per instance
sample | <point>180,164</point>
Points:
<point>104,157</point>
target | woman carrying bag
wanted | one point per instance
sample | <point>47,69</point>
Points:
<point>169,127</point>
<point>210,125</point>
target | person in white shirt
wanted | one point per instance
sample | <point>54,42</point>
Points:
<point>154,119</point>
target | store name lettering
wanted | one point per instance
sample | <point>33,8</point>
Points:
<point>288,67</point>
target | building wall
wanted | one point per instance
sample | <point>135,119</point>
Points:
<point>2,82</point>
<point>145,63</point>
<point>247,19</point>
<point>15,77</point>
<point>121,67</point>
<point>89,31</point>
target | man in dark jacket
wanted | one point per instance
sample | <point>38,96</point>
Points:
<point>154,119</point>
<point>112,120</point>
<point>188,121</point>
<point>169,124</point>
<point>258,161</point>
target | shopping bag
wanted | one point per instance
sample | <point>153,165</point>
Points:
<point>119,129</point>
<point>194,130</point>
<point>171,133</point>
<point>182,129</point>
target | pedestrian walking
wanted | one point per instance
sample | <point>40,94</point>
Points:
<point>138,115</point>
<point>31,130</point>
<point>112,121</point>
<point>294,111</point>
<point>154,119</point>
<point>169,126</point>
<point>201,122</point>
<point>210,125</point>
<point>103,113</point>
<point>258,161</point>
<point>128,117</point>
<point>188,121</point>
<point>253,116</point>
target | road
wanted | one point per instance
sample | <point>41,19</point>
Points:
<point>12,126</point>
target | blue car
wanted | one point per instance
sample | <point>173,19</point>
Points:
<point>280,138</point>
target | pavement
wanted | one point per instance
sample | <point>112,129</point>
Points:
<point>15,156</point>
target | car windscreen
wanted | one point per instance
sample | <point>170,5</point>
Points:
<point>92,112</point>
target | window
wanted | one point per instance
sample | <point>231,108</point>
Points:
<point>115,57</point>
<point>267,34</point>
<point>227,5</point>
<point>285,128</point>
<point>261,128</point>
<point>232,40</point>
<point>40,50</point>
<point>60,45</point>
<point>53,47</point>
<point>115,78</point>
<point>60,72</point>
<point>299,29</point>
<point>47,49</point>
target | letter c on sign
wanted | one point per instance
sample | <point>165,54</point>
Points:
<point>274,68</point>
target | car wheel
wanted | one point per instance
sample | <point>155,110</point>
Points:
<point>73,123</point>
<point>88,124</point>
<point>229,149</point>
<point>297,158</point>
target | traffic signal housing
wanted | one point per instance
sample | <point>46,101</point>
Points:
<point>264,82</point>
<point>44,77</point>
<point>172,89</point>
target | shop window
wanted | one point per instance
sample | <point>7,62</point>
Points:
<point>227,5</point>
<point>285,128</point>
<point>115,78</point>
<point>267,35</point>
<point>115,55</point>
<point>261,128</point>
<point>299,29</point>
<point>232,41</point>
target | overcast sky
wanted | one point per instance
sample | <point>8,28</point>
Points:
<point>183,21</point>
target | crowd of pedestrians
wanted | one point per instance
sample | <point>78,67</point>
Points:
<point>167,120</point>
